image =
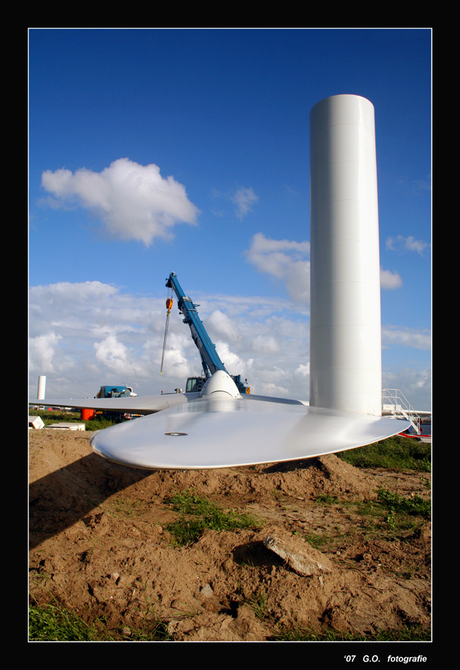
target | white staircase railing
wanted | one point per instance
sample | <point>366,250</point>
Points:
<point>394,402</point>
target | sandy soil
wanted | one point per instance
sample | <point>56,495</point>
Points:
<point>99,543</point>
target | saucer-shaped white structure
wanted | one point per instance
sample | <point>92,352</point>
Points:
<point>223,429</point>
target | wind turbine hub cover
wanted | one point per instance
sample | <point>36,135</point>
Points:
<point>220,382</point>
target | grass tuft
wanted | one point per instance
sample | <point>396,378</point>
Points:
<point>53,622</point>
<point>407,634</point>
<point>415,505</point>
<point>394,453</point>
<point>56,623</point>
<point>199,514</point>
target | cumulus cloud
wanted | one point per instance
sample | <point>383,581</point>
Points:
<point>244,199</point>
<point>390,279</point>
<point>88,334</point>
<point>218,324</point>
<point>289,260</point>
<point>41,351</point>
<point>303,370</point>
<point>285,259</point>
<point>266,344</point>
<point>114,355</point>
<point>415,385</point>
<point>419,339</point>
<point>116,337</point>
<point>134,201</point>
<point>63,293</point>
<point>233,363</point>
<point>401,243</point>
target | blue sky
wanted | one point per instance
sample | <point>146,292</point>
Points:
<point>153,151</point>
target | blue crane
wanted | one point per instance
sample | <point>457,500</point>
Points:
<point>209,357</point>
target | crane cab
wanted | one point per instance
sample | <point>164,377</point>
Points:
<point>194,384</point>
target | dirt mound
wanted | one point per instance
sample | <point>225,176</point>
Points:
<point>99,543</point>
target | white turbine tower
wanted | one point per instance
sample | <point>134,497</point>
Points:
<point>345,321</point>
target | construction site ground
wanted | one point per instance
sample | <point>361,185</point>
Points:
<point>99,545</point>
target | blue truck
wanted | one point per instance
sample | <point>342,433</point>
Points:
<point>115,392</point>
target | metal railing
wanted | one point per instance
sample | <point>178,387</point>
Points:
<point>394,402</point>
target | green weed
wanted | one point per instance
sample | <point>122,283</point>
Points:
<point>259,604</point>
<point>394,453</point>
<point>206,515</point>
<point>396,512</point>
<point>406,634</point>
<point>54,622</point>
<point>323,542</point>
<point>121,507</point>
<point>327,499</point>
<point>56,416</point>
<point>395,503</point>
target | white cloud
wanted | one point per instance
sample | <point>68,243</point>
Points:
<point>390,280</point>
<point>286,260</point>
<point>266,245</point>
<point>266,344</point>
<point>63,293</point>
<point>84,333</point>
<point>401,243</point>
<point>134,201</point>
<point>289,260</point>
<point>81,344</point>
<point>233,363</point>
<point>244,199</point>
<point>219,324</point>
<point>116,357</point>
<point>303,370</point>
<point>41,351</point>
<point>419,339</point>
<point>414,384</point>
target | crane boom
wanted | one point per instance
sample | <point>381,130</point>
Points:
<point>209,357</point>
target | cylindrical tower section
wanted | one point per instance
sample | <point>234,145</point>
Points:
<point>345,330</point>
